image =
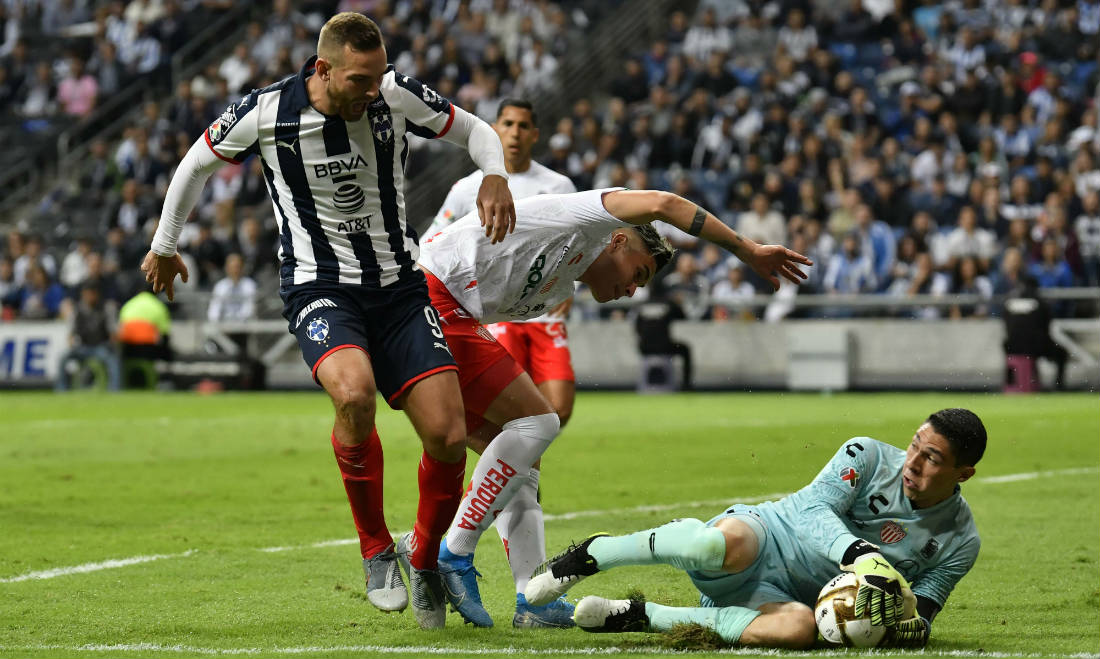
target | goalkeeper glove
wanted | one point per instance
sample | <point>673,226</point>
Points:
<point>881,592</point>
<point>911,633</point>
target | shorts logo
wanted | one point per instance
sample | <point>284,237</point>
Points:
<point>382,127</point>
<point>316,304</point>
<point>849,475</point>
<point>891,532</point>
<point>485,333</point>
<point>317,329</point>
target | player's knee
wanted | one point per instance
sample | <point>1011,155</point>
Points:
<point>564,415</point>
<point>544,427</point>
<point>802,627</point>
<point>353,399</point>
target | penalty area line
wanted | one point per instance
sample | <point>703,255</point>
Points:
<point>93,567</point>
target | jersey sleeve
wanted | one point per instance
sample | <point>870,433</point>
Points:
<point>822,504</point>
<point>427,113</point>
<point>937,582</point>
<point>235,134</point>
<point>564,185</point>
<point>586,209</point>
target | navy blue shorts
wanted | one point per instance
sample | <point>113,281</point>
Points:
<point>396,326</point>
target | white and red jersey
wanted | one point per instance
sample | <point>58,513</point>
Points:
<point>533,269</point>
<point>462,200</point>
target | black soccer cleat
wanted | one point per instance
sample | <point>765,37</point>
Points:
<point>596,614</point>
<point>553,578</point>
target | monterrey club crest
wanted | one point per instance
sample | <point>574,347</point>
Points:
<point>381,124</point>
<point>317,329</point>
<point>850,476</point>
<point>891,532</point>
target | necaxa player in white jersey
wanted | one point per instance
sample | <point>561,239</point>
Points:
<point>333,143</point>
<point>601,238</point>
<point>539,345</point>
<point>893,517</point>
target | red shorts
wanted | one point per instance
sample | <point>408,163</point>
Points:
<point>484,367</point>
<point>542,349</point>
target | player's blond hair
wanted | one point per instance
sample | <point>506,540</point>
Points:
<point>655,244</point>
<point>347,29</point>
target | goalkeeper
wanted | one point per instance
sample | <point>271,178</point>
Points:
<point>894,517</point>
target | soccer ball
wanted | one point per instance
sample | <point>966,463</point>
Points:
<point>836,618</point>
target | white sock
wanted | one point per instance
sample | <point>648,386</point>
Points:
<point>519,445</point>
<point>521,529</point>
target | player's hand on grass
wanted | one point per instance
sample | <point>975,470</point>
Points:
<point>882,590</point>
<point>495,208</point>
<point>161,271</point>
<point>909,633</point>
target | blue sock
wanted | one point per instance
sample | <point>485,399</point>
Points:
<point>728,621</point>
<point>685,543</point>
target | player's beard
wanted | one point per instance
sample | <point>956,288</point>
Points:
<point>349,108</point>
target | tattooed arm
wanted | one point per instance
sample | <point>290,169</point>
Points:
<point>643,206</point>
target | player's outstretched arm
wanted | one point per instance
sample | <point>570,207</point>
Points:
<point>494,200</point>
<point>162,263</point>
<point>642,206</point>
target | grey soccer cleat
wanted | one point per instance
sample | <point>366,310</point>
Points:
<point>556,576</point>
<point>425,588</point>
<point>596,614</point>
<point>385,587</point>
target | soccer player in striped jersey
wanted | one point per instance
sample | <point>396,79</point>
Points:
<point>333,142</point>
<point>540,346</point>
<point>894,517</point>
<point>602,238</point>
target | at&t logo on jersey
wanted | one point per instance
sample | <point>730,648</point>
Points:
<point>317,330</point>
<point>349,198</point>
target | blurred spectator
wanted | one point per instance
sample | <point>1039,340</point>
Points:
<point>878,243</point>
<point>1010,273</point>
<point>761,223</point>
<point>1087,229</point>
<point>77,90</point>
<point>850,271</point>
<point>8,288</point>
<point>653,325</point>
<point>687,287</point>
<point>33,253</point>
<point>91,338</point>
<point>731,293</point>
<point>74,267</point>
<point>234,296</point>
<point>967,280</point>
<point>968,239</point>
<point>39,298</point>
<point>1027,328</point>
<point>796,37</point>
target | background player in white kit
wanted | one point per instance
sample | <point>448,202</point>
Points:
<point>601,238</point>
<point>540,346</point>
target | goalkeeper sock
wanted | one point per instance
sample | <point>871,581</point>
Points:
<point>728,621</point>
<point>520,526</point>
<point>361,469</point>
<point>685,543</point>
<point>440,492</point>
<point>499,473</point>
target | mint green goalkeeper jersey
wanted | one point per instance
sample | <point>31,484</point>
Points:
<point>858,495</point>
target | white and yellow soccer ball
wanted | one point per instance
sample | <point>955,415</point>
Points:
<point>836,617</point>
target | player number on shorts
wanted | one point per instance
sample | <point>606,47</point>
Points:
<point>433,320</point>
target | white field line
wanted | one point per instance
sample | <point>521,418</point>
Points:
<point>342,650</point>
<point>122,562</point>
<point>93,567</point>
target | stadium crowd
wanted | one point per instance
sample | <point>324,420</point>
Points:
<point>909,148</point>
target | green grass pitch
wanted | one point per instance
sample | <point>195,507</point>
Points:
<point>229,532</point>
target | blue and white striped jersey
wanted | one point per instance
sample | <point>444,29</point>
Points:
<point>338,187</point>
